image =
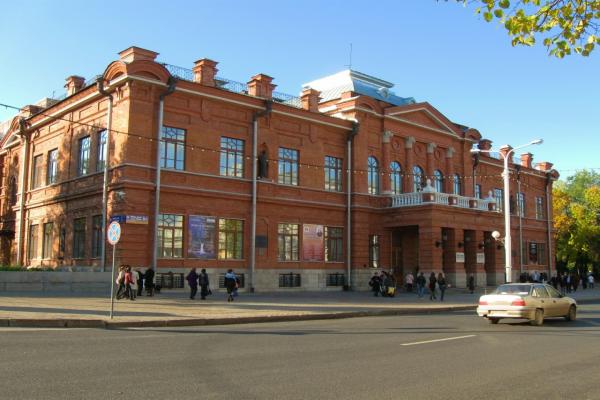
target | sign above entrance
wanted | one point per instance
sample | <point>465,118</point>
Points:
<point>480,258</point>
<point>460,257</point>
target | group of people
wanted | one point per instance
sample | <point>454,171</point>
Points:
<point>231,282</point>
<point>570,282</point>
<point>131,283</point>
<point>381,283</point>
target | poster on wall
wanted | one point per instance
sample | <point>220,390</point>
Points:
<point>201,233</point>
<point>460,257</point>
<point>480,258</point>
<point>312,242</point>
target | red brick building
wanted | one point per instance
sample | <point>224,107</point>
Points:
<point>339,187</point>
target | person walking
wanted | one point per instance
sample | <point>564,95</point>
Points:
<point>140,280</point>
<point>128,283</point>
<point>421,282</point>
<point>441,280</point>
<point>120,281</point>
<point>432,283</point>
<point>203,281</point>
<point>133,284</point>
<point>471,283</point>
<point>409,282</point>
<point>192,278</point>
<point>149,281</point>
<point>591,280</point>
<point>230,284</point>
<point>375,284</point>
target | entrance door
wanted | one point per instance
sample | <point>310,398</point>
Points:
<point>397,257</point>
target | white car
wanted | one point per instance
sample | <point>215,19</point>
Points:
<point>532,301</point>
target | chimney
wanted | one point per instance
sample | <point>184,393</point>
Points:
<point>29,110</point>
<point>137,54</point>
<point>527,160</point>
<point>504,151</point>
<point>310,99</point>
<point>74,84</point>
<point>544,166</point>
<point>205,71</point>
<point>484,144</point>
<point>260,86</point>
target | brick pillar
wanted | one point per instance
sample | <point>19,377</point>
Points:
<point>479,273</point>
<point>430,256</point>
<point>74,84</point>
<point>310,99</point>
<point>260,86</point>
<point>450,239</point>
<point>470,249</point>
<point>430,168</point>
<point>385,163</point>
<point>408,181</point>
<point>205,71</point>
<point>449,170</point>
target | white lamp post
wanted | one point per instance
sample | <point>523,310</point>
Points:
<point>506,176</point>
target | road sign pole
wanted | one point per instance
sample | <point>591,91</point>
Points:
<point>113,235</point>
<point>112,284</point>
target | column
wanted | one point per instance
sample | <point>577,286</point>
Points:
<point>408,181</point>
<point>385,163</point>
<point>449,170</point>
<point>430,255</point>
<point>430,167</point>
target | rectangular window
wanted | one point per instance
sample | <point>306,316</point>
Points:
<point>232,157</point>
<point>537,253</point>
<point>79,238</point>
<point>521,204</point>
<point>101,150</point>
<point>83,161</point>
<point>231,234</point>
<point>172,148</point>
<point>36,178</point>
<point>52,167</point>
<point>539,208</point>
<point>288,166</point>
<point>290,280</point>
<point>288,238</point>
<point>33,242</point>
<point>48,240</point>
<point>478,191</point>
<point>97,236</point>
<point>333,174</point>
<point>374,251</point>
<point>499,197</point>
<point>170,236</point>
<point>334,239</point>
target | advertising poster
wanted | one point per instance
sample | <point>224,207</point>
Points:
<point>312,242</point>
<point>201,233</point>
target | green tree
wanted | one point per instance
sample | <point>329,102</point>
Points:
<point>565,26</point>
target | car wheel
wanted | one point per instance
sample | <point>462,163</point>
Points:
<point>572,315</point>
<point>494,321</point>
<point>538,320</point>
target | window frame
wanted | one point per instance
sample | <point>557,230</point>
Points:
<point>334,243</point>
<point>52,167</point>
<point>37,169</point>
<point>176,227</point>
<point>79,228</point>
<point>97,237</point>
<point>438,181</point>
<point>288,242</point>
<point>48,240</point>
<point>83,156</point>
<point>456,185</point>
<point>287,170</point>
<point>173,138</point>
<point>417,185</point>
<point>539,208</point>
<point>373,187</point>
<point>499,197</point>
<point>333,173</point>
<point>101,150</point>
<point>229,236</point>
<point>396,177</point>
<point>33,242</point>
<point>231,160</point>
<point>521,204</point>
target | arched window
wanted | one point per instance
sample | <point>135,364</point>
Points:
<point>417,178</point>
<point>456,184</point>
<point>373,176</point>
<point>438,181</point>
<point>395,177</point>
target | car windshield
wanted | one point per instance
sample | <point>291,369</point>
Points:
<point>513,289</point>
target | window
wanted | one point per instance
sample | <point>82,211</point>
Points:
<point>537,253</point>
<point>288,166</point>
<point>101,150</point>
<point>83,162</point>
<point>417,178</point>
<point>79,238</point>
<point>334,251</point>
<point>539,208</point>
<point>396,177</point>
<point>52,167</point>
<point>373,175</point>
<point>172,148</point>
<point>438,181</point>
<point>13,190</point>
<point>231,234</point>
<point>333,174</point>
<point>521,204</point>
<point>36,178</point>
<point>456,186</point>
<point>97,237</point>
<point>374,251</point>
<point>478,191</point>
<point>48,240</point>
<point>170,236</point>
<point>232,157</point>
<point>287,242</point>
<point>33,242</point>
<point>499,197</point>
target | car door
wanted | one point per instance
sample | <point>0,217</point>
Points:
<point>559,302</point>
<point>544,300</point>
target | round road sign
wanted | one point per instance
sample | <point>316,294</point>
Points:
<point>113,233</point>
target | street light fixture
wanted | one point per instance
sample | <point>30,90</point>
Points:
<point>506,176</point>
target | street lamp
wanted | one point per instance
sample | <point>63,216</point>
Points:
<point>506,176</point>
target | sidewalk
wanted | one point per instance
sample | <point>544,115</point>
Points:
<point>174,308</point>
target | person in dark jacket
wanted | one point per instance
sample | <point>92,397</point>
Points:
<point>230,284</point>
<point>471,283</point>
<point>192,279</point>
<point>140,280</point>
<point>203,281</point>
<point>149,282</point>
<point>432,283</point>
<point>441,280</point>
<point>375,284</point>
<point>421,282</point>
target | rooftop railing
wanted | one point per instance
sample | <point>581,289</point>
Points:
<point>444,199</point>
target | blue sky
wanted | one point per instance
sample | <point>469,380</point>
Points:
<point>440,52</point>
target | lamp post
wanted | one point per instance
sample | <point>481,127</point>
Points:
<point>506,176</point>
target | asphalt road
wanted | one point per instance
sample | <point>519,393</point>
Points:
<point>445,356</point>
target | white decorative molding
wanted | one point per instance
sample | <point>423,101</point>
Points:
<point>431,148</point>
<point>410,140</point>
<point>387,136</point>
<point>450,152</point>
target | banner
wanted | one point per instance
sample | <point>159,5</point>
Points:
<point>201,233</point>
<point>312,242</point>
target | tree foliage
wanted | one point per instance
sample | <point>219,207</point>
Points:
<point>576,206</point>
<point>565,26</point>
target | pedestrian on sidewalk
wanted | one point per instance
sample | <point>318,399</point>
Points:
<point>149,281</point>
<point>409,281</point>
<point>432,283</point>
<point>230,284</point>
<point>471,283</point>
<point>192,279</point>
<point>120,281</point>
<point>421,282</point>
<point>140,281</point>
<point>203,281</point>
<point>375,284</point>
<point>128,283</point>
<point>591,280</point>
<point>133,284</point>
<point>441,280</point>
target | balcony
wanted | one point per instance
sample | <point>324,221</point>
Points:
<point>429,196</point>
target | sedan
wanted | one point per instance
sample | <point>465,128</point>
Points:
<point>532,301</point>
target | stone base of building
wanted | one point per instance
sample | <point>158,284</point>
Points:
<point>457,279</point>
<point>495,278</point>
